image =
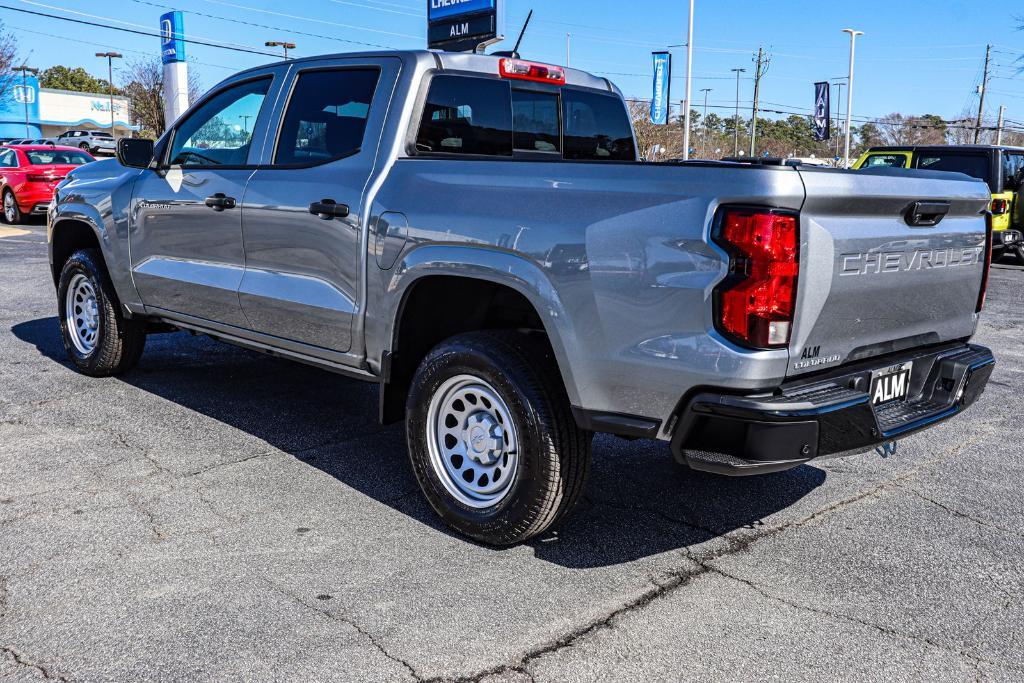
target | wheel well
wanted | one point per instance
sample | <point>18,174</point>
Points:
<point>68,237</point>
<point>429,314</point>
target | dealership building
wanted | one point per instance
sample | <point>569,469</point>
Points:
<point>51,112</point>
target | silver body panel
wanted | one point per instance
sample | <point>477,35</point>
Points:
<point>616,258</point>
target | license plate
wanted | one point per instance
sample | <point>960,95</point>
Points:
<point>890,384</point>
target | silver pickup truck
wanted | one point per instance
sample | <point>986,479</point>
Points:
<point>477,235</point>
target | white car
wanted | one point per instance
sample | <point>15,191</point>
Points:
<point>92,141</point>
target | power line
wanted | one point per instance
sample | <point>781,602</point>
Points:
<point>138,32</point>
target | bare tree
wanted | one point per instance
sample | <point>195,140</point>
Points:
<point>8,58</point>
<point>145,92</point>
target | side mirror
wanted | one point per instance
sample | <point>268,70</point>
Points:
<point>135,153</point>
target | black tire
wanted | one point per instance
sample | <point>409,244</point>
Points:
<point>554,454</point>
<point>84,147</point>
<point>118,342</point>
<point>1018,252</point>
<point>16,216</point>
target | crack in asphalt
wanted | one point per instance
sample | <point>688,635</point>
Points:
<point>35,666</point>
<point>672,580</point>
<point>840,616</point>
<point>953,511</point>
<point>342,618</point>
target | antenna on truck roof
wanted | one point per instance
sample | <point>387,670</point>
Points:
<point>514,54</point>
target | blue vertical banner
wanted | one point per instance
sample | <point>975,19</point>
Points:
<point>172,38</point>
<point>662,97</point>
<point>822,113</point>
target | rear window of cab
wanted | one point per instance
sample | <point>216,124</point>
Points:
<point>465,115</point>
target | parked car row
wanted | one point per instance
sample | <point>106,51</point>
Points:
<point>92,141</point>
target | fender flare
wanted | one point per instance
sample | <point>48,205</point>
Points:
<point>487,263</point>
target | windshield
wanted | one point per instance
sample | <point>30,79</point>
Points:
<point>70,157</point>
<point>974,165</point>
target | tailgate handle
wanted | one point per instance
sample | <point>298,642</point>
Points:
<point>926,214</point>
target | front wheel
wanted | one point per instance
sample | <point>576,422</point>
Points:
<point>12,213</point>
<point>492,439</point>
<point>97,338</point>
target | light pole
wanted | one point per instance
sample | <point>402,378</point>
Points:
<point>111,56</point>
<point>24,90</point>
<point>849,93</point>
<point>736,119</point>
<point>689,74</point>
<point>568,45</point>
<point>278,43</point>
<point>838,82</point>
<point>704,142</point>
<point>245,121</point>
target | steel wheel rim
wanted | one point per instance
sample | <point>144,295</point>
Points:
<point>9,207</point>
<point>82,314</point>
<point>472,441</point>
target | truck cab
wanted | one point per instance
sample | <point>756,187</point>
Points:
<point>1000,167</point>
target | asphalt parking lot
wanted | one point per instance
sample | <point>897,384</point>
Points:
<point>221,515</point>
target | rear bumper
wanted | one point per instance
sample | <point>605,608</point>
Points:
<point>827,415</point>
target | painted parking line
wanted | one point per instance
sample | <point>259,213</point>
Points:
<point>12,232</point>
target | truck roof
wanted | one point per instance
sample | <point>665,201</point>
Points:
<point>454,61</point>
<point>964,148</point>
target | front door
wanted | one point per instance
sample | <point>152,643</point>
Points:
<point>303,215</point>
<point>186,236</point>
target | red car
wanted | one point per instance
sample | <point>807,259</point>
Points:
<point>29,174</point>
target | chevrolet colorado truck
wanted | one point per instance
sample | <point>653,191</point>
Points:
<point>477,235</point>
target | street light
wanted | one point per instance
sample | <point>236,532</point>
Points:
<point>24,85</point>
<point>736,121</point>
<point>689,78</point>
<point>849,93</point>
<point>704,143</point>
<point>278,43</point>
<point>111,56</point>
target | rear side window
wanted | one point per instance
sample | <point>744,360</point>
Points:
<point>466,116</point>
<point>326,117</point>
<point>596,127</point>
<point>886,161</point>
<point>972,164</point>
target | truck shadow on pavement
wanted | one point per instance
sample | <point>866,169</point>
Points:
<point>638,502</point>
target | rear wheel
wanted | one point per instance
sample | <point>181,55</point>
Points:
<point>97,338</point>
<point>84,146</point>
<point>12,214</point>
<point>491,437</point>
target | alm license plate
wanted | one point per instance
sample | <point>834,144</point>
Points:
<point>890,384</point>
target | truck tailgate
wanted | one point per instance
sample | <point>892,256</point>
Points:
<point>870,281</point>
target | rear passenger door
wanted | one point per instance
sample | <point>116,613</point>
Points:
<point>303,219</point>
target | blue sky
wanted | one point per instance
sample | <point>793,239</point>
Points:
<point>916,57</point>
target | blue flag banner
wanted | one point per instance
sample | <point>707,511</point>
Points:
<point>662,97</point>
<point>822,115</point>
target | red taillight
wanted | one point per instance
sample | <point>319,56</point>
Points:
<point>755,304</point>
<point>531,71</point>
<point>1000,206</point>
<point>989,238</point>
<point>35,178</point>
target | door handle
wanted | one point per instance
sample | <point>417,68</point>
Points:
<point>220,201</point>
<point>926,214</point>
<point>326,209</point>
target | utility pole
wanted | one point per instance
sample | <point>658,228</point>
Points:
<point>704,141</point>
<point>849,93</point>
<point>736,119</point>
<point>689,75</point>
<point>999,128</point>
<point>981,91</point>
<point>281,44</point>
<point>24,90</point>
<point>759,71</point>
<point>839,107</point>
<point>111,56</point>
<point>568,43</point>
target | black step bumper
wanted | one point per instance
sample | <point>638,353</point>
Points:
<point>827,415</point>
